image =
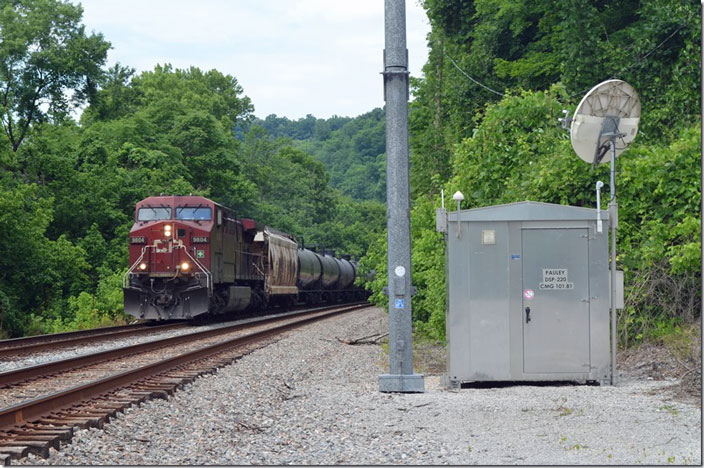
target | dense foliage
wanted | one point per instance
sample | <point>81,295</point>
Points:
<point>68,189</point>
<point>485,121</point>
<point>352,149</point>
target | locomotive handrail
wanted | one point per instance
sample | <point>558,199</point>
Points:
<point>208,274</point>
<point>125,281</point>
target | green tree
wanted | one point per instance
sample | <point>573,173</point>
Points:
<point>23,220</point>
<point>47,63</point>
<point>117,98</point>
<point>350,148</point>
<point>166,93</point>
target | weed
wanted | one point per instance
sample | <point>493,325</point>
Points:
<point>429,356</point>
<point>670,409</point>
<point>563,439</point>
<point>563,410</point>
<point>658,304</point>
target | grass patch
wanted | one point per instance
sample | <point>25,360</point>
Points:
<point>429,356</point>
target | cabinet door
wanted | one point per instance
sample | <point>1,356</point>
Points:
<point>555,300</point>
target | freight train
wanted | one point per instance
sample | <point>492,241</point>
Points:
<point>190,256</point>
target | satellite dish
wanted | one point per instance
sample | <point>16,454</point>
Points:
<point>610,111</point>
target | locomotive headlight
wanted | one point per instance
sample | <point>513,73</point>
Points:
<point>167,230</point>
<point>185,266</point>
<point>142,266</point>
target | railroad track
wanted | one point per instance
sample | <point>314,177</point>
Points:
<point>102,384</point>
<point>33,344</point>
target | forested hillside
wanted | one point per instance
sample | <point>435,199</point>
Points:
<point>352,149</point>
<point>68,189</point>
<point>485,121</point>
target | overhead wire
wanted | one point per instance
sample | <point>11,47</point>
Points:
<point>580,92</point>
<point>654,48</point>
<point>472,79</point>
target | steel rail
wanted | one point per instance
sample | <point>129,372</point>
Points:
<point>26,412</point>
<point>65,337</point>
<point>35,343</point>
<point>26,373</point>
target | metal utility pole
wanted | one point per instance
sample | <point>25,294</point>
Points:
<point>398,216</point>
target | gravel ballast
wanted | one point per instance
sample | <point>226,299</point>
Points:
<point>311,399</point>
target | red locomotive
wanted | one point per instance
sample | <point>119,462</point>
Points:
<point>191,256</point>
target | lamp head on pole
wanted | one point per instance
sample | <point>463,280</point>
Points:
<point>458,197</point>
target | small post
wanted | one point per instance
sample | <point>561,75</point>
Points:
<point>599,226</point>
<point>613,221</point>
<point>458,197</point>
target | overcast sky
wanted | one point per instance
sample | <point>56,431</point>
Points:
<point>292,57</point>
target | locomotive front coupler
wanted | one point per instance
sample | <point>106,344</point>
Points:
<point>164,299</point>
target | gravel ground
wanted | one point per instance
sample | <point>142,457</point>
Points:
<point>311,399</point>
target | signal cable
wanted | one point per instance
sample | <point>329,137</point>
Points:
<point>580,92</point>
<point>653,49</point>
<point>473,80</point>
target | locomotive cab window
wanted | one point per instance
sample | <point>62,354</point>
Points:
<point>149,213</point>
<point>194,213</point>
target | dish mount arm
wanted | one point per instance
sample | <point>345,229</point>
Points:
<point>609,133</point>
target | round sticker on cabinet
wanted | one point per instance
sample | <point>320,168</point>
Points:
<point>528,294</point>
<point>400,271</point>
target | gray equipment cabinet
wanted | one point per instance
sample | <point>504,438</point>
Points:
<point>528,294</point>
